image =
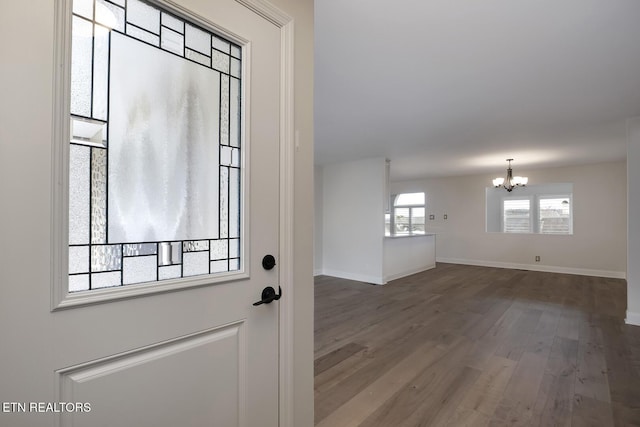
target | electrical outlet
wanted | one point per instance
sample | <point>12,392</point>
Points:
<point>537,258</point>
<point>432,217</point>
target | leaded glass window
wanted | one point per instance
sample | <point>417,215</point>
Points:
<point>155,147</point>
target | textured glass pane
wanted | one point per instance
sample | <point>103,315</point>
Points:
<point>224,110</point>
<point>220,61</point>
<point>164,253</point>
<point>215,110</point>
<point>106,258</point>
<point>169,253</point>
<point>221,44</point>
<point>170,272</point>
<point>163,177</point>
<point>235,67</point>
<point>219,266</point>
<point>195,263</point>
<point>235,51</point>
<point>79,195</point>
<point>224,202</point>
<point>219,249</point>
<point>234,248</point>
<point>176,252</point>
<point>172,41</point>
<point>105,280</point>
<point>139,269</point>
<point>197,57</point>
<point>83,8</point>
<point>225,156</point>
<point>88,132</point>
<point>119,2</point>
<point>234,114</point>
<point>100,72</point>
<point>78,259</point>
<point>98,195</point>
<point>195,246</point>
<point>234,264</point>
<point>137,249</point>
<point>81,67</point>
<point>197,39</point>
<point>173,23</point>
<point>79,283</point>
<point>234,202</point>
<point>143,16</point>
<point>143,35</point>
<point>235,157</point>
<point>110,15</point>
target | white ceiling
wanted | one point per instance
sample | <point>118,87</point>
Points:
<point>453,87</point>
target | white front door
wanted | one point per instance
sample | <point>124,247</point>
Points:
<point>198,353</point>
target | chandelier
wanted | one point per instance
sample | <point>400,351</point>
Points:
<point>511,181</point>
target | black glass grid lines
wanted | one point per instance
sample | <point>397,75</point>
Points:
<point>94,261</point>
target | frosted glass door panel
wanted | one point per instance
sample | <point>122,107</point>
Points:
<point>155,155</point>
<point>163,152</point>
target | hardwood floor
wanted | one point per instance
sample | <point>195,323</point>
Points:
<point>474,346</point>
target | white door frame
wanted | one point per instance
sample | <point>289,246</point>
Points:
<point>287,142</point>
<point>287,148</point>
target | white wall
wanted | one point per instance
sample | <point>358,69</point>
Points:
<point>353,220</point>
<point>597,247</point>
<point>633,209</point>
<point>408,255</point>
<point>318,230</point>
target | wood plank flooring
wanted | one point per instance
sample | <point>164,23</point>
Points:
<point>475,346</point>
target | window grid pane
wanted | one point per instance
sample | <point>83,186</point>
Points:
<point>417,221</point>
<point>517,216</point>
<point>402,220</point>
<point>555,215</point>
<point>409,199</point>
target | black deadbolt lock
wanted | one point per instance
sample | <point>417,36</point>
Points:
<point>268,262</point>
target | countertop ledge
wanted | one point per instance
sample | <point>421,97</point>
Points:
<point>403,236</point>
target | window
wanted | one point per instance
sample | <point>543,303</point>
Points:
<point>555,215</point>
<point>407,215</point>
<point>151,199</point>
<point>540,209</point>
<point>516,216</point>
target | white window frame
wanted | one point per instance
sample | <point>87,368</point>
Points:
<point>534,212</point>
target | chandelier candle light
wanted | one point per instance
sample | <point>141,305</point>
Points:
<point>511,181</point>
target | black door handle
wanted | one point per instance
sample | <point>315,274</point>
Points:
<point>269,295</point>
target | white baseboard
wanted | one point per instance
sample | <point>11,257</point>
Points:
<point>632,318</point>
<point>408,273</point>
<point>537,267</point>
<point>354,276</point>
<point>317,272</point>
